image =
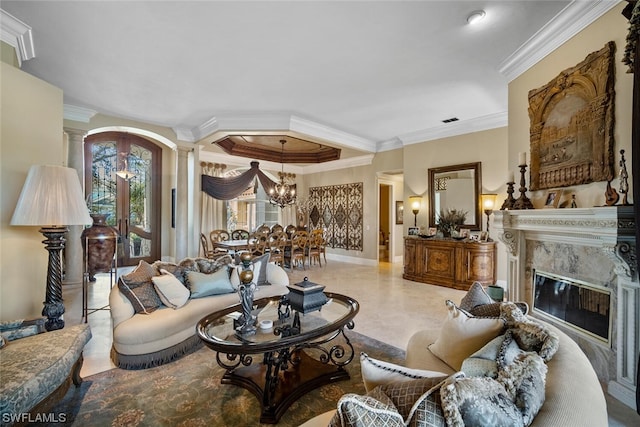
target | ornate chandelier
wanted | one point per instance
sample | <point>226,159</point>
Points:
<point>284,192</point>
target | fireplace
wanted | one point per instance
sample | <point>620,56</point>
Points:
<point>579,305</point>
<point>576,268</point>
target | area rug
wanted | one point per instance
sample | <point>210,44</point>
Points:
<point>187,393</point>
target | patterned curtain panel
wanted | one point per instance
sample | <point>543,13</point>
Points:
<point>338,210</point>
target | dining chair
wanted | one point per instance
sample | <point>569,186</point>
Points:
<point>313,248</point>
<point>322,243</point>
<point>206,252</point>
<point>264,228</point>
<point>290,229</point>
<point>258,244</point>
<point>218,236</point>
<point>277,244</point>
<point>239,234</point>
<point>296,253</point>
<point>276,228</point>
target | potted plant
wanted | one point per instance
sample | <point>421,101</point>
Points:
<point>450,220</point>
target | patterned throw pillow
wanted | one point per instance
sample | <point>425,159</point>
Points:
<point>462,335</point>
<point>143,296</point>
<point>478,401</point>
<point>524,380</point>
<point>418,401</point>
<point>475,296</point>
<point>530,334</point>
<point>141,274</point>
<point>373,409</point>
<point>171,291</point>
<point>377,372</point>
<point>494,309</point>
<point>208,266</point>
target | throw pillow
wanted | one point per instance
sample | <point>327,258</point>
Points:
<point>530,334</point>
<point>141,274</point>
<point>495,355</point>
<point>494,309</point>
<point>475,296</point>
<point>2,341</point>
<point>204,285</point>
<point>478,401</point>
<point>418,401</point>
<point>524,380</point>
<point>208,266</point>
<point>462,335</point>
<point>374,409</point>
<point>143,296</point>
<point>376,372</point>
<point>261,280</point>
<point>171,291</point>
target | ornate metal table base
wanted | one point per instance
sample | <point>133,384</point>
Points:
<point>288,373</point>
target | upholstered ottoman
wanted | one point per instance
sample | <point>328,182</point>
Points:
<point>37,370</point>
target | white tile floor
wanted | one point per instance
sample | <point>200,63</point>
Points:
<point>391,310</point>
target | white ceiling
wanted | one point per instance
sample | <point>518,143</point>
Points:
<point>360,74</point>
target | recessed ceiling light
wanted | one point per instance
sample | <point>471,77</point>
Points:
<point>476,16</point>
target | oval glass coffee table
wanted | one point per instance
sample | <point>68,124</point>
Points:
<point>276,367</point>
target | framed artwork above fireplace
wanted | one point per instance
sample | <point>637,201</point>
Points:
<point>572,121</point>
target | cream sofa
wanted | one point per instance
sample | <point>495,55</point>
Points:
<point>147,340</point>
<point>573,394</point>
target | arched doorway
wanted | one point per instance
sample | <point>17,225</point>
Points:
<point>131,203</point>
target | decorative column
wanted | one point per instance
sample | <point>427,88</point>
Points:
<point>73,247</point>
<point>182,203</point>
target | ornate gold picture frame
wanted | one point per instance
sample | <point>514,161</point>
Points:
<point>572,119</point>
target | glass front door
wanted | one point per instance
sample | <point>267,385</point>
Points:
<point>123,182</point>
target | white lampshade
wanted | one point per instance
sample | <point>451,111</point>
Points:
<point>51,195</point>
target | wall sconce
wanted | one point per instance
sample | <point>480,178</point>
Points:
<point>414,202</point>
<point>488,204</point>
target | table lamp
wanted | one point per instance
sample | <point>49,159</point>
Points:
<point>414,201</point>
<point>52,198</point>
<point>488,204</point>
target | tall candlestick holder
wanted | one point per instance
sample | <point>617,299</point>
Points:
<point>523,201</point>
<point>510,200</point>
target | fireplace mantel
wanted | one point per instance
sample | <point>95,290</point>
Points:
<point>593,244</point>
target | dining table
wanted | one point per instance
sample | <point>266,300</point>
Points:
<point>231,246</point>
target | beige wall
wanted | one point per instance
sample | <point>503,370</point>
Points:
<point>31,134</point>
<point>488,147</point>
<point>385,161</point>
<point>611,26</point>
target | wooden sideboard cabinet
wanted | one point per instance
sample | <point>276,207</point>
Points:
<point>447,262</point>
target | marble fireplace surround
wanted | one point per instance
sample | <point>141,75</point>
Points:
<point>594,245</point>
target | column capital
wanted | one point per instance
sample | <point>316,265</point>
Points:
<point>75,132</point>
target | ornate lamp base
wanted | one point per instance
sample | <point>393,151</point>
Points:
<point>53,306</point>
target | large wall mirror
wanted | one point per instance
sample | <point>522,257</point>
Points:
<point>456,187</point>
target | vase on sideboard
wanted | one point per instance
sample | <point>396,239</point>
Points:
<point>99,244</point>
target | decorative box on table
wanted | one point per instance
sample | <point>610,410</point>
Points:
<point>306,296</point>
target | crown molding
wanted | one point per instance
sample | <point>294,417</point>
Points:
<point>461,127</point>
<point>566,24</point>
<point>390,144</point>
<point>364,160</point>
<point>311,128</point>
<point>16,33</point>
<point>227,159</point>
<point>238,161</point>
<point>78,114</point>
<point>280,122</point>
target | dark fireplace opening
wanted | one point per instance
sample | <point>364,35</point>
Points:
<point>574,302</point>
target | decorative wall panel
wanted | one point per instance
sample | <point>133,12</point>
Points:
<point>338,210</point>
<point>572,121</point>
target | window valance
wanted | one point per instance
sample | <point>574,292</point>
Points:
<point>231,187</point>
